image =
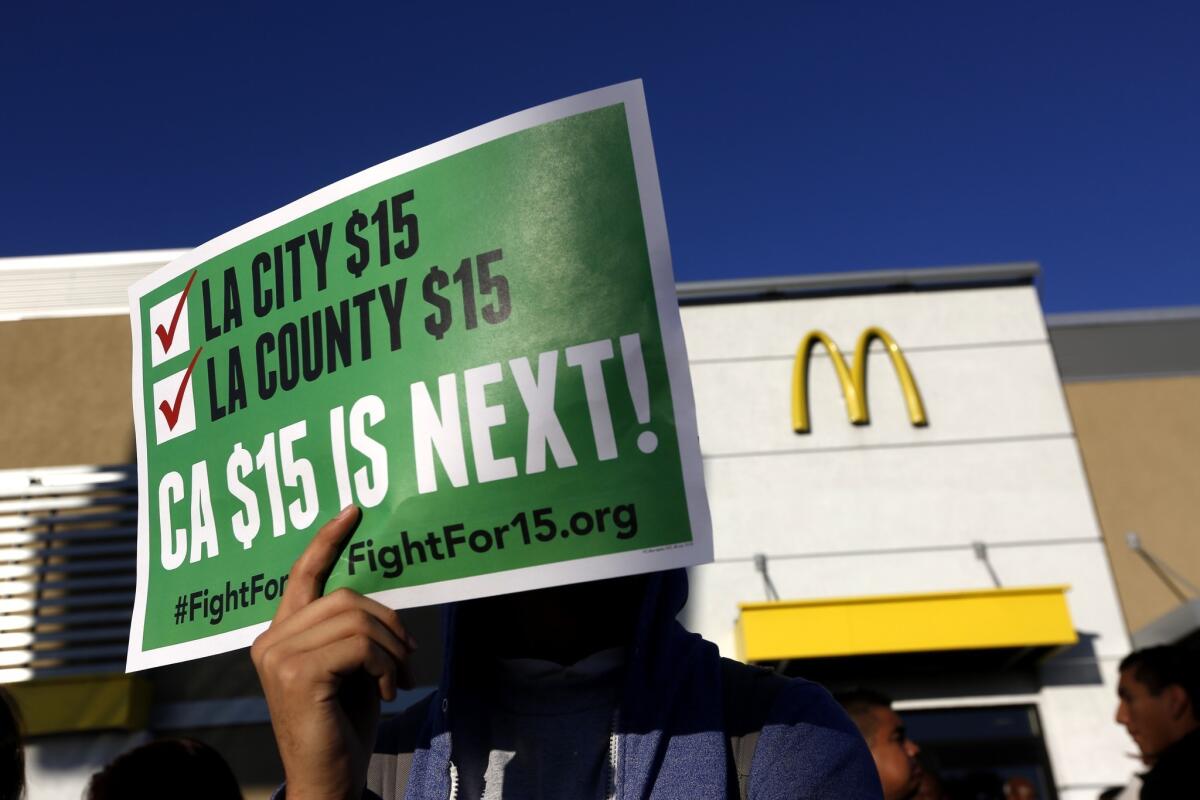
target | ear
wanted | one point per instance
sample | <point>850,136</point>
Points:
<point>1178,703</point>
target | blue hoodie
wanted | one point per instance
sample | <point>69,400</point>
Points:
<point>670,741</point>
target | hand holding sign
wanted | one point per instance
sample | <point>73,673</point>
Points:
<point>324,664</point>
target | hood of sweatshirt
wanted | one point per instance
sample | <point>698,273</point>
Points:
<point>670,741</point>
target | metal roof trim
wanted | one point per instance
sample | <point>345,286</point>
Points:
<point>744,289</point>
<point>1132,316</point>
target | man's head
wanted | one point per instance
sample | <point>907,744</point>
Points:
<point>1159,692</point>
<point>894,753</point>
<point>561,623</point>
<point>192,769</point>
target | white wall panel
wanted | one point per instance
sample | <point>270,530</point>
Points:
<point>916,319</point>
<point>1092,598</point>
<point>898,497</point>
<point>977,393</point>
<point>1089,791</point>
<point>1087,747</point>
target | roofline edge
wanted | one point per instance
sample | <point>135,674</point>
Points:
<point>857,282</point>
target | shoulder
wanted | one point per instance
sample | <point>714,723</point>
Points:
<point>807,703</point>
<point>780,700</point>
<point>1175,771</point>
<point>809,748</point>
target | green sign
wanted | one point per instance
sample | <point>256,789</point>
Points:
<point>478,343</point>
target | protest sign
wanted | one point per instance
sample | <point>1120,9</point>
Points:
<point>478,343</point>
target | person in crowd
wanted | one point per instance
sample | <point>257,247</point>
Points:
<point>182,769</point>
<point>894,753</point>
<point>12,751</point>
<point>1159,692</point>
<point>1019,788</point>
<point>588,690</point>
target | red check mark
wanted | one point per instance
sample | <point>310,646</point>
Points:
<point>171,412</point>
<point>167,335</point>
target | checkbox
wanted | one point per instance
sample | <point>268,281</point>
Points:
<point>174,404</point>
<point>169,326</point>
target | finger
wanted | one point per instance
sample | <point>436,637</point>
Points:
<point>353,654</point>
<point>404,675</point>
<point>338,602</point>
<point>306,581</point>
<point>348,624</point>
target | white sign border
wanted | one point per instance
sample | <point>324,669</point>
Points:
<point>699,551</point>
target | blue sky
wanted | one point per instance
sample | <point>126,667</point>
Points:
<point>800,138</point>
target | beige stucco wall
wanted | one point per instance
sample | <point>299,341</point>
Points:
<point>1141,447</point>
<point>65,392</point>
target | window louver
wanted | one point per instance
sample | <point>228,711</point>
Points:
<point>68,539</point>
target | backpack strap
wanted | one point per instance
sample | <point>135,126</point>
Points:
<point>391,763</point>
<point>747,695</point>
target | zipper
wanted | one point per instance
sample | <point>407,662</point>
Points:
<point>453,781</point>
<point>611,790</point>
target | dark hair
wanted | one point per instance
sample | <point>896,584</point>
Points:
<point>184,769</point>
<point>12,754</point>
<point>859,703</point>
<point>1165,665</point>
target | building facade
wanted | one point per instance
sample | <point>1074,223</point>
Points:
<point>929,531</point>
<point>921,559</point>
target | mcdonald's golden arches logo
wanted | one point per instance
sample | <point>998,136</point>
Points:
<point>854,385</point>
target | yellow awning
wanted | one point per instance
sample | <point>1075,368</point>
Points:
<point>1035,616</point>
<point>79,704</point>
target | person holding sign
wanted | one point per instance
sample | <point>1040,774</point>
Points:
<point>589,690</point>
<point>478,343</point>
